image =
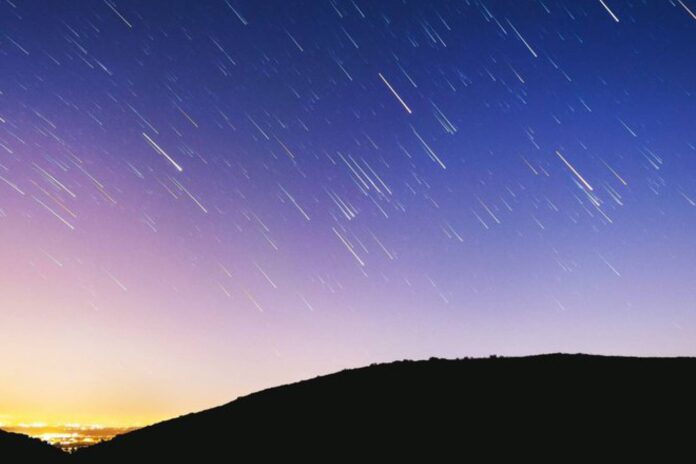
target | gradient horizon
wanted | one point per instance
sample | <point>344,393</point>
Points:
<point>199,200</point>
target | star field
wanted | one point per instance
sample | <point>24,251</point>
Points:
<point>203,198</point>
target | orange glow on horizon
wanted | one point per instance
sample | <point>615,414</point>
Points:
<point>68,437</point>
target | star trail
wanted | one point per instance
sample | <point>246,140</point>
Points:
<point>204,198</point>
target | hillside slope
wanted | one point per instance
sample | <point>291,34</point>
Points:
<point>418,408</point>
<point>15,447</point>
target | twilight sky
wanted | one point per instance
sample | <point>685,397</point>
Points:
<point>199,199</point>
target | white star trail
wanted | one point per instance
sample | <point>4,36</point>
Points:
<point>398,97</point>
<point>609,10</point>
<point>159,150</point>
<point>294,202</point>
<point>688,10</point>
<point>574,171</point>
<point>56,215</point>
<point>113,8</point>
<point>519,36</point>
<point>349,247</point>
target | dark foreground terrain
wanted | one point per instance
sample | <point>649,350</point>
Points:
<point>453,410</point>
<point>15,447</point>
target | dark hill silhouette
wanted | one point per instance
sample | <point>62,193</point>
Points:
<point>15,447</point>
<point>412,409</point>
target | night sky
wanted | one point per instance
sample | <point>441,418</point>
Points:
<point>199,199</point>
